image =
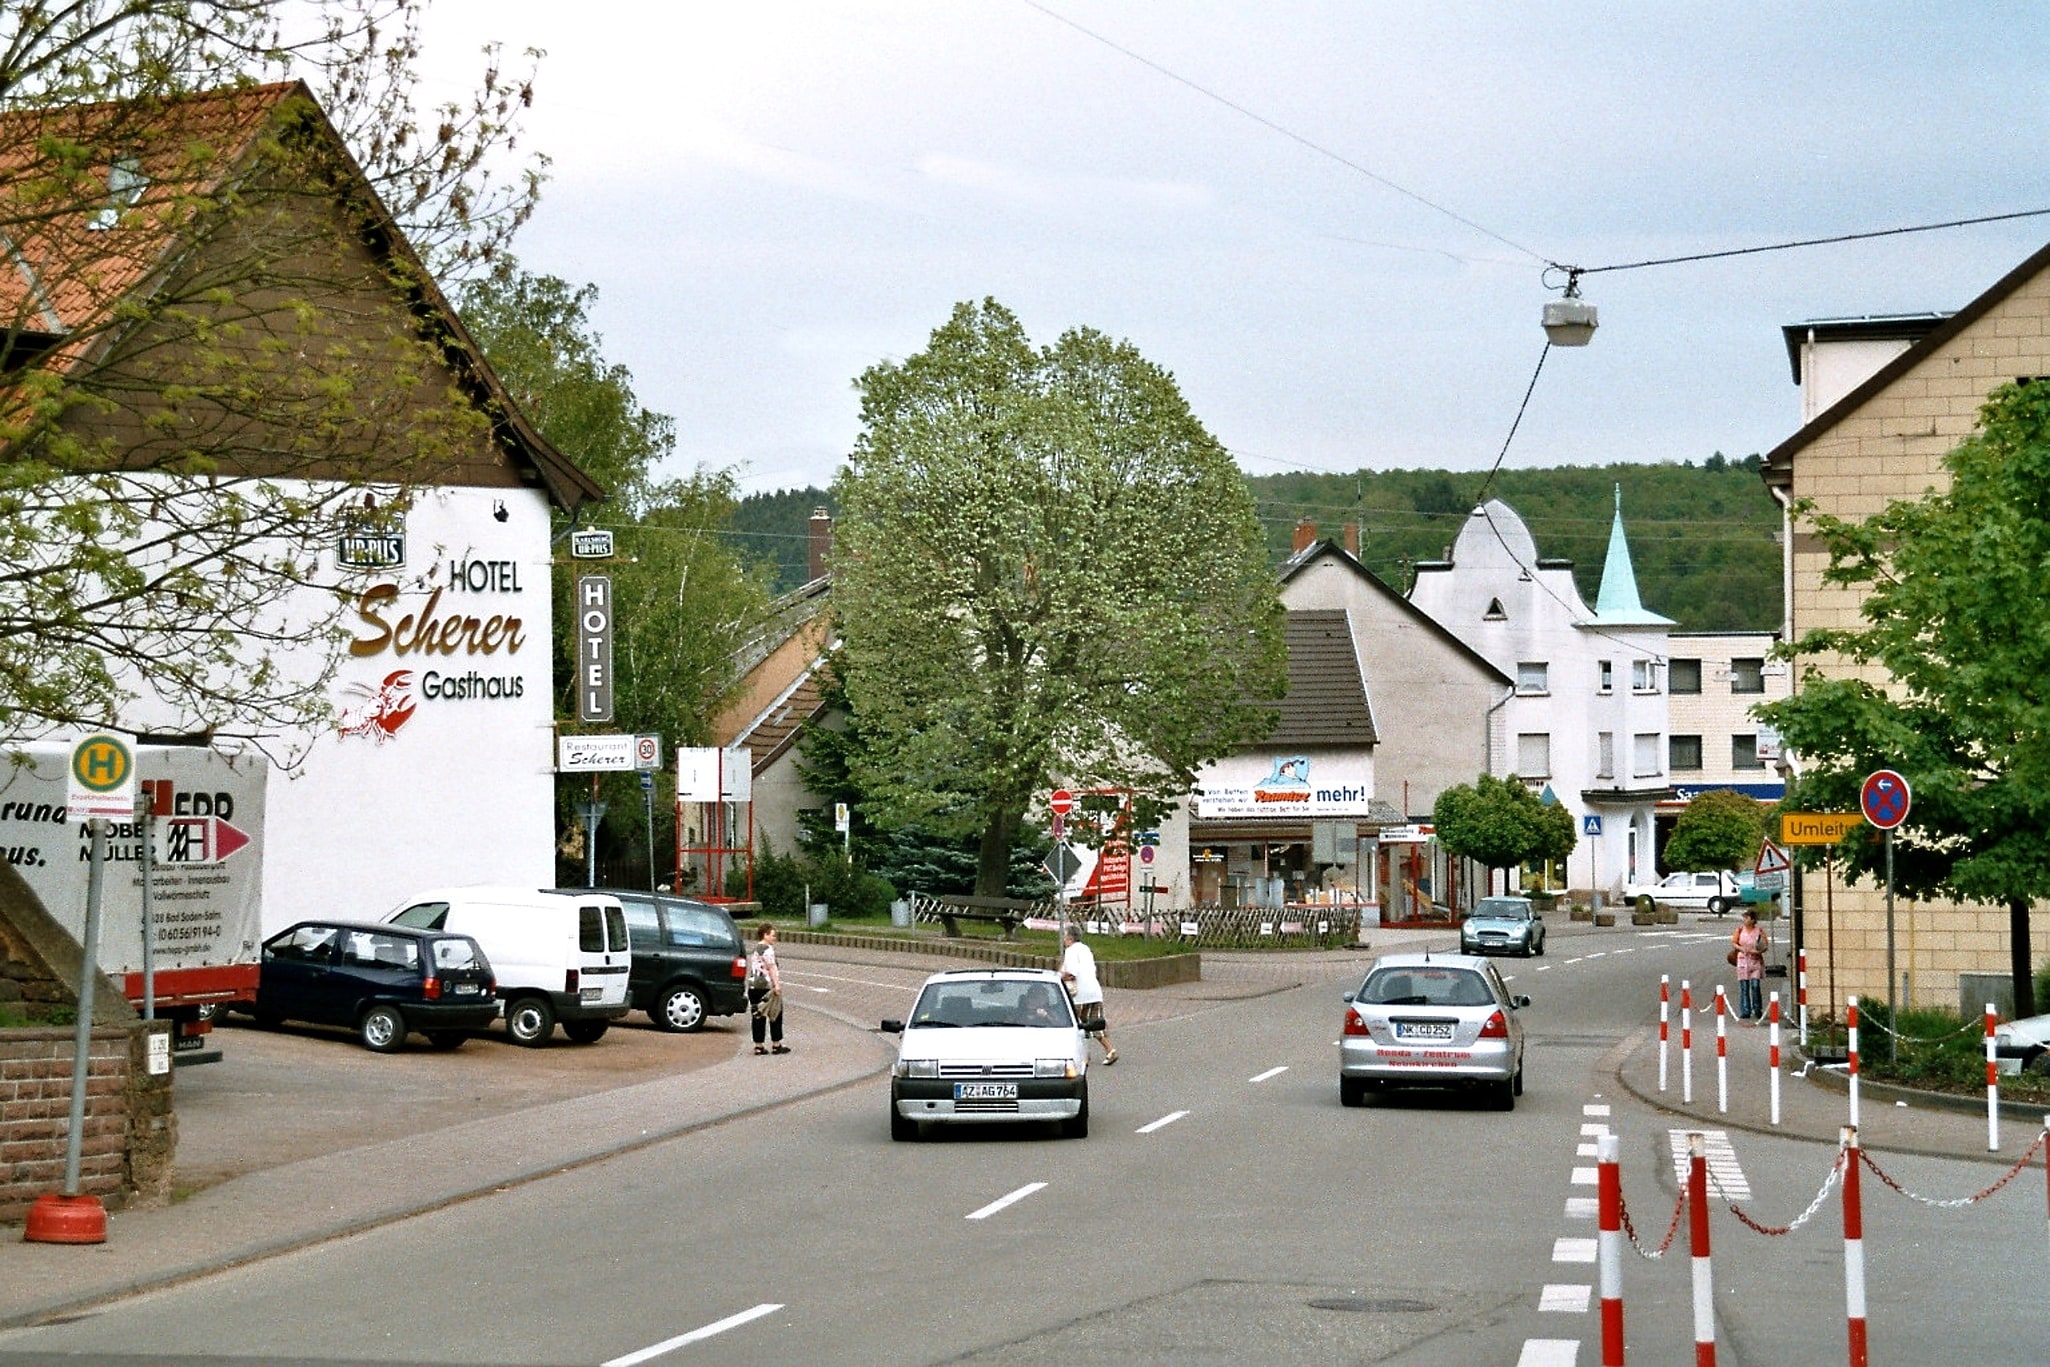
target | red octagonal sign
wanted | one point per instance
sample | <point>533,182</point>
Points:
<point>1062,802</point>
<point>1884,799</point>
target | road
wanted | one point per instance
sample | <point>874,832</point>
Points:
<point>1224,1209</point>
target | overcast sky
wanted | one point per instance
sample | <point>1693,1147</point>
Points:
<point>773,195</point>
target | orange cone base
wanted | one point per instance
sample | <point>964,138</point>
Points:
<point>55,1219</point>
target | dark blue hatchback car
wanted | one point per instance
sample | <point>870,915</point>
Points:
<point>382,981</point>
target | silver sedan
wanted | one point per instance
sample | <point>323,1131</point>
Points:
<point>1431,1020</point>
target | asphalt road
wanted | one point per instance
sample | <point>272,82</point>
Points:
<point>1224,1209</point>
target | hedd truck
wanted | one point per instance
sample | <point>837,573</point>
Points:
<point>205,884</point>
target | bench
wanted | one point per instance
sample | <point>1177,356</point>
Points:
<point>1005,913</point>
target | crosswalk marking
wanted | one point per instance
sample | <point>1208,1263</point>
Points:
<point>1583,1177</point>
<point>1582,1207</point>
<point>1725,1174</point>
<point>1595,1129</point>
<point>1549,1353</point>
<point>1595,1108</point>
<point>1571,1250</point>
<point>1586,1151</point>
<point>1565,1298</point>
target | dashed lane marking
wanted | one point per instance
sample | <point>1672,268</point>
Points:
<point>1595,1108</point>
<point>1161,1123</point>
<point>694,1336</point>
<point>1565,1298</point>
<point>1002,1201</point>
<point>1583,1177</point>
<point>1598,954</point>
<point>1271,1072</point>
<point>1583,1207</point>
<point>1571,1250</point>
<point>1572,961</point>
<point>1549,1353</point>
<point>1725,1174</point>
<point>1544,968</point>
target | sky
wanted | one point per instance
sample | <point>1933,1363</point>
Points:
<point>773,196</point>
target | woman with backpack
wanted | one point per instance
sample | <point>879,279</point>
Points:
<point>765,992</point>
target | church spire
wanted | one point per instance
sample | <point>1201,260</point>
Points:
<point>1618,603</point>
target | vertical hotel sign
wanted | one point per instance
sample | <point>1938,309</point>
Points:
<point>594,647</point>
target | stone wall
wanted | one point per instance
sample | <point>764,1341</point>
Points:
<point>130,1132</point>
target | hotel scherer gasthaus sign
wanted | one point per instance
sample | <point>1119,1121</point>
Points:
<point>1284,787</point>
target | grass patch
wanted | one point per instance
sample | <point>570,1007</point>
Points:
<point>1937,1052</point>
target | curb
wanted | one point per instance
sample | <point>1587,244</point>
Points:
<point>1133,974</point>
<point>1826,1076</point>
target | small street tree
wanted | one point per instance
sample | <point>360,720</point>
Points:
<point>1500,823</point>
<point>1044,566</point>
<point>1720,829</point>
<point>1952,681</point>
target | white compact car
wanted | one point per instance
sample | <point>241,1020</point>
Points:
<point>990,1044</point>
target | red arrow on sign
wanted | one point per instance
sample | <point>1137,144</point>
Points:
<point>227,839</point>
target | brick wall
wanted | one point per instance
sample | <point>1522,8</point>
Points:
<point>130,1133</point>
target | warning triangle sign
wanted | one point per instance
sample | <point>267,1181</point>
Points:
<point>1771,859</point>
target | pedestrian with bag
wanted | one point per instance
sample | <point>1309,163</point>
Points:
<point>765,992</point>
<point>1747,952</point>
<point>1078,975</point>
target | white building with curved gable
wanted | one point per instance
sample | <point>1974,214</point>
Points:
<point>1587,723</point>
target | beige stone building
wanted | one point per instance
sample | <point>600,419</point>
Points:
<point>1885,400</point>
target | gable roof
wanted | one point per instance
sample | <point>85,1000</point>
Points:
<point>71,279</point>
<point>1326,702</point>
<point>1777,469</point>
<point>1315,551</point>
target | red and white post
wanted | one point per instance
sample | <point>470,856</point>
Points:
<point>1609,1245</point>
<point>1697,1230</point>
<point>1801,987</point>
<point>1686,1043</point>
<point>1665,1009</point>
<point>1992,1085</point>
<point>1722,1052</point>
<point>1853,1054</point>
<point>1772,1013</point>
<point>1854,1251</point>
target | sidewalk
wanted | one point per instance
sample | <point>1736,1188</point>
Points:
<point>297,1204</point>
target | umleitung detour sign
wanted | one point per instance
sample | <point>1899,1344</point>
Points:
<point>1817,828</point>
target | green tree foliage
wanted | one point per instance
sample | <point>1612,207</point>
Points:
<point>684,604</point>
<point>1956,616</point>
<point>1500,823</point>
<point>1044,564</point>
<point>204,362</point>
<point>1719,830</point>
<point>776,528</point>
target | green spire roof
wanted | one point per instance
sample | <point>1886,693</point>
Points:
<point>1618,604</point>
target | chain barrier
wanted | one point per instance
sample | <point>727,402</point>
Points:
<point>1836,1170</point>
<point>1955,1202</point>
<point>1623,1209</point>
<point>1978,1026</point>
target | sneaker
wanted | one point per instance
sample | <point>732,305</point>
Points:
<point>1110,1058</point>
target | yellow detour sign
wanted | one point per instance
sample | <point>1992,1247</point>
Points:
<point>101,781</point>
<point>1816,828</point>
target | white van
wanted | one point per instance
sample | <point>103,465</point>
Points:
<point>558,956</point>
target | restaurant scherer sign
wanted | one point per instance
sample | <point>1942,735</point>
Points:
<point>452,641</point>
<point>1285,787</point>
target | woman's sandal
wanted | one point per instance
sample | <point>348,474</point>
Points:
<point>780,1049</point>
<point>760,1050</point>
<point>1110,1058</point>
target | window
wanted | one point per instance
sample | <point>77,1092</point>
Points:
<point>643,924</point>
<point>1605,755</point>
<point>373,949</point>
<point>1685,752</point>
<point>1608,682</point>
<point>1747,676</point>
<point>1644,753</point>
<point>697,928</point>
<point>125,184</point>
<point>1644,676</point>
<point>1494,612</point>
<point>1744,753</point>
<point>423,916</point>
<point>591,930</point>
<point>1534,754</point>
<point>457,954</point>
<point>1683,676</point>
<point>1532,676</point>
<point>308,944</point>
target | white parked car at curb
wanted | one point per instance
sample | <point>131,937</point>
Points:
<point>987,1045</point>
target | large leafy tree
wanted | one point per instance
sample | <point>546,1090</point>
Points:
<point>1948,678</point>
<point>1044,566</point>
<point>219,320</point>
<point>1720,829</point>
<point>1500,823</point>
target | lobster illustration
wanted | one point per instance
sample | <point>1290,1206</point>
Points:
<point>383,710</point>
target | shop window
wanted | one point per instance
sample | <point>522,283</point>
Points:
<point>1645,756</point>
<point>1683,676</point>
<point>1534,754</point>
<point>1747,676</point>
<point>1686,753</point>
<point>1533,676</point>
<point>1744,753</point>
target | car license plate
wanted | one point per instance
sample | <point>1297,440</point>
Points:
<point>468,989</point>
<point>592,994</point>
<point>1423,1029</point>
<point>985,1091</point>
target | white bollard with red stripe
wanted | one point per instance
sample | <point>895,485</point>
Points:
<point>2046,1156</point>
<point>1697,1228</point>
<point>1773,1018</point>
<point>1853,1055</point>
<point>1722,1052</point>
<point>1854,1250</point>
<point>1609,1245</point>
<point>1686,1043</point>
<point>1802,989</point>
<point>1992,1085</point>
<point>1665,1007</point>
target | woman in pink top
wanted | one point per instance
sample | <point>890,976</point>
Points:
<point>1750,943</point>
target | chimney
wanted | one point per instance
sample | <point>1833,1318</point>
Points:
<point>1305,535</point>
<point>819,541</point>
<point>1352,539</point>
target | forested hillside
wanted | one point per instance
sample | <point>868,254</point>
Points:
<point>1703,537</point>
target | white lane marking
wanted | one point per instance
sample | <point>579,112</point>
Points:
<point>1583,1177</point>
<point>1622,951</point>
<point>1161,1123</point>
<point>1592,1109</point>
<point>1271,1072</point>
<point>1596,1130</point>
<point>1544,968</point>
<point>1586,1151</point>
<point>1549,1353</point>
<point>809,988</point>
<point>1566,1250</point>
<point>1725,1174</point>
<point>1565,1298</point>
<point>1573,961</point>
<point>671,1345</point>
<point>1583,1207</point>
<point>859,982</point>
<point>994,1206</point>
<point>1508,977</point>
<point>1598,954</point>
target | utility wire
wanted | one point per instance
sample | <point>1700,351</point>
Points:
<point>1288,133</point>
<point>1802,242</point>
<point>1482,497</point>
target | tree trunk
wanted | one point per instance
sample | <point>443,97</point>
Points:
<point>993,866</point>
<point>2018,958</point>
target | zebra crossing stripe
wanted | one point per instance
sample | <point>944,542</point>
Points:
<point>1725,1174</point>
